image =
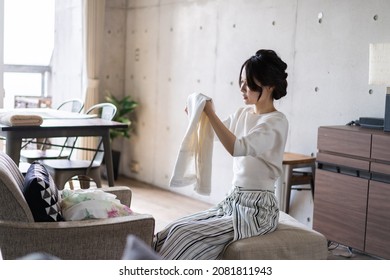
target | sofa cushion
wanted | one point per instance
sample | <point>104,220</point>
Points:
<point>291,240</point>
<point>41,194</point>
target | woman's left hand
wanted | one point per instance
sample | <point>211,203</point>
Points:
<point>208,107</point>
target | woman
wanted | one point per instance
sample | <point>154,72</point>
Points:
<point>255,136</point>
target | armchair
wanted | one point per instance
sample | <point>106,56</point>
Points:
<point>76,240</point>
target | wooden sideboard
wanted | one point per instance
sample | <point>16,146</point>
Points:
<point>352,188</point>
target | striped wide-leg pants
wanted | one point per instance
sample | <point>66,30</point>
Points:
<point>204,235</point>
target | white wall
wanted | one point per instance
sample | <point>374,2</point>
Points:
<point>176,47</point>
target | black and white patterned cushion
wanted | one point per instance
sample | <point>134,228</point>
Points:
<point>41,194</point>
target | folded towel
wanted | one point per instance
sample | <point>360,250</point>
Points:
<point>20,119</point>
<point>193,164</point>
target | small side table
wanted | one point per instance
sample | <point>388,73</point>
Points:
<point>293,176</point>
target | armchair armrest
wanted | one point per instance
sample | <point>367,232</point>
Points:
<point>75,240</point>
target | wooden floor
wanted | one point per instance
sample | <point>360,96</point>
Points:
<point>163,205</point>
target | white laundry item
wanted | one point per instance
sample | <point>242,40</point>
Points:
<point>193,164</point>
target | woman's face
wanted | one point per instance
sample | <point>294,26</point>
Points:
<point>250,97</point>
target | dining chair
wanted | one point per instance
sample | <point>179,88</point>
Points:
<point>63,170</point>
<point>49,150</point>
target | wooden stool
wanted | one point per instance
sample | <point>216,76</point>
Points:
<point>292,162</point>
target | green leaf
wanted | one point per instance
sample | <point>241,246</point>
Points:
<point>125,107</point>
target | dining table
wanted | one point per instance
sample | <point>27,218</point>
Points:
<point>55,123</point>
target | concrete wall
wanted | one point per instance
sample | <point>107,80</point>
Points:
<point>112,74</point>
<point>176,47</point>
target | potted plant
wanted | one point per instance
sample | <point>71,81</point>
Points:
<point>125,107</point>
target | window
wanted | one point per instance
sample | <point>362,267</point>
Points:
<point>28,47</point>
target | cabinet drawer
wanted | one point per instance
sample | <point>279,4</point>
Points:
<point>340,203</point>
<point>380,172</point>
<point>344,142</point>
<point>380,147</point>
<point>377,167</point>
<point>378,220</point>
<point>335,160</point>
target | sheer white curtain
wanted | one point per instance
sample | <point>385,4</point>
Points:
<point>94,11</point>
<point>1,52</point>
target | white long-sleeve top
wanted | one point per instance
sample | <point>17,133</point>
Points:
<point>259,148</point>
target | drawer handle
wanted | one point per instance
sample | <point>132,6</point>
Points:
<point>345,170</point>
